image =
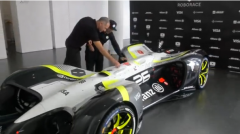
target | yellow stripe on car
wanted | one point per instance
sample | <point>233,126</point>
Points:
<point>158,61</point>
<point>106,72</point>
<point>107,83</point>
<point>132,54</point>
<point>123,92</point>
<point>57,70</point>
<point>136,62</point>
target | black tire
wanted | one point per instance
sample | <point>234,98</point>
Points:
<point>106,124</point>
<point>203,74</point>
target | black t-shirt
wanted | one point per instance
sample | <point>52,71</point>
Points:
<point>104,37</point>
<point>84,30</point>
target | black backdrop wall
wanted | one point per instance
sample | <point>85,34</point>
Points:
<point>212,26</point>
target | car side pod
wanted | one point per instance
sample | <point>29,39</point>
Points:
<point>36,125</point>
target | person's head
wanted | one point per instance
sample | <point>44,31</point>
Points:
<point>112,26</point>
<point>103,24</point>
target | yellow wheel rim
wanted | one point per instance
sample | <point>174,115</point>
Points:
<point>203,73</point>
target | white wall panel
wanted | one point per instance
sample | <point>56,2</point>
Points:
<point>3,54</point>
<point>60,22</point>
<point>34,25</point>
<point>126,19</point>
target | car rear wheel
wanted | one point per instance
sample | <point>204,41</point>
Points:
<point>120,120</point>
<point>203,74</point>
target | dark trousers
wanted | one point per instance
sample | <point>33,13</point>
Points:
<point>73,57</point>
<point>94,59</point>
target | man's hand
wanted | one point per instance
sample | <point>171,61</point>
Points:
<point>101,49</point>
<point>123,58</point>
<point>90,45</point>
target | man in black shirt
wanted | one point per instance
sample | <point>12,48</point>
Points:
<point>86,29</point>
<point>94,57</point>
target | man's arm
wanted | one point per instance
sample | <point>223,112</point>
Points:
<point>96,41</point>
<point>116,46</point>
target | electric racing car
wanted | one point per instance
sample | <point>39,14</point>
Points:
<point>61,99</point>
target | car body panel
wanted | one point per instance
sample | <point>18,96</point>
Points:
<point>88,96</point>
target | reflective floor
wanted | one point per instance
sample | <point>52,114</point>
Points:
<point>214,110</point>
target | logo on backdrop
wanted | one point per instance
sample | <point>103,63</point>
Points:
<point>217,12</point>
<point>197,12</point>
<point>236,22</point>
<point>177,44</point>
<point>236,41</point>
<point>213,56</point>
<point>197,46</point>
<point>148,13</point>
<point>189,4</point>
<point>148,27</point>
<point>212,64</point>
<point>234,50</point>
<point>177,36</point>
<point>147,41</point>
<point>215,39</point>
<point>233,67</point>
<point>236,31</point>
<point>233,58</point>
<point>135,26</point>
<point>134,19</point>
<point>196,38</point>
<point>178,28</point>
<point>162,28</point>
<point>179,12</point>
<point>163,20</point>
<point>148,19</point>
<point>214,47</point>
<point>162,35</point>
<point>133,33</point>
<point>135,13</point>
<point>216,30</point>
<point>197,21</point>
<point>182,20</point>
<point>197,29</point>
<point>163,12</point>
<point>148,34</point>
<point>217,21</point>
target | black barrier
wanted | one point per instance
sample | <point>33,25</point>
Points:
<point>210,25</point>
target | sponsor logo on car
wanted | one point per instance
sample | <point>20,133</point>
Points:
<point>142,77</point>
<point>157,87</point>
<point>146,95</point>
<point>65,77</point>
